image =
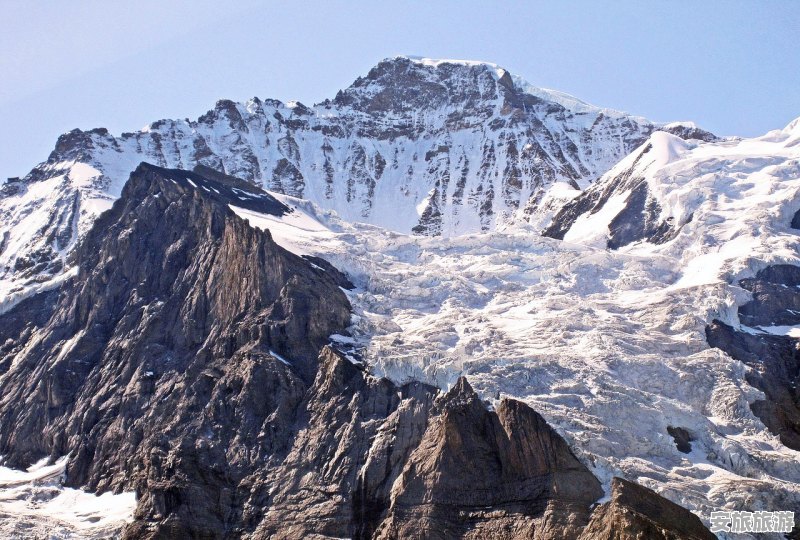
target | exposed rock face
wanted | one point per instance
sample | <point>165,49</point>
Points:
<point>166,336</point>
<point>683,439</point>
<point>776,297</point>
<point>21,322</point>
<point>479,474</point>
<point>430,147</point>
<point>775,363</point>
<point>636,512</point>
<point>774,359</point>
<point>355,432</point>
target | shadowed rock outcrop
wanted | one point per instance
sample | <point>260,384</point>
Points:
<point>159,367</point>
<point>20,322</point>
<point>354,433</point>
<point>774,359</point>
<point>683,439</point>
<point>776,297</point>
<point>775,370</point>
<point>636,512</point>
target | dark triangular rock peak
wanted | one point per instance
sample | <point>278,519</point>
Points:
<point>335,371</point>
<point>503,471</point>
<point>170,283</point>
<point>636,512</point>
<point>460,394</point>
<point>354,434</point>
<point>534,446</point>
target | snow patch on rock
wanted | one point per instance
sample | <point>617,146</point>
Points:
<point>35,504</point>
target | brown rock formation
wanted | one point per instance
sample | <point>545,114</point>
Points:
<point>637,513</point>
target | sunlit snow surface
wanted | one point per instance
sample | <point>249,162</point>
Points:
<point>33,504</point>
<point>609,346</point>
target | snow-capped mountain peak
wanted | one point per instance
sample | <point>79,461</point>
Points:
<point>433,147</point>
<point>427,182</point>
<point>668,184</point>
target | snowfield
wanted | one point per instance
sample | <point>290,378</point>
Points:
<point>445,146</point>
<point>33,504</point>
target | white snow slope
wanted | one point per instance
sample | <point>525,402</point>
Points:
<point>608,345</point>
<point>33,504</point>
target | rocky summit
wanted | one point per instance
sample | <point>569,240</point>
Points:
<point>442,304</point>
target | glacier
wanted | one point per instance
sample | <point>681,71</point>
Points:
<point>609,345</point>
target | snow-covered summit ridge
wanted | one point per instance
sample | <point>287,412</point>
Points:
<point>436,62</point>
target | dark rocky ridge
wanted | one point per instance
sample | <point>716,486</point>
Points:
<point>776,297</point>
<point>171,282</point>
<point>477,474</point>
<point>774,359</point>
<point>154,369</point>
<point>636,512</point>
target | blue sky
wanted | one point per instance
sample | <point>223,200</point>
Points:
<point>732,67</point>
